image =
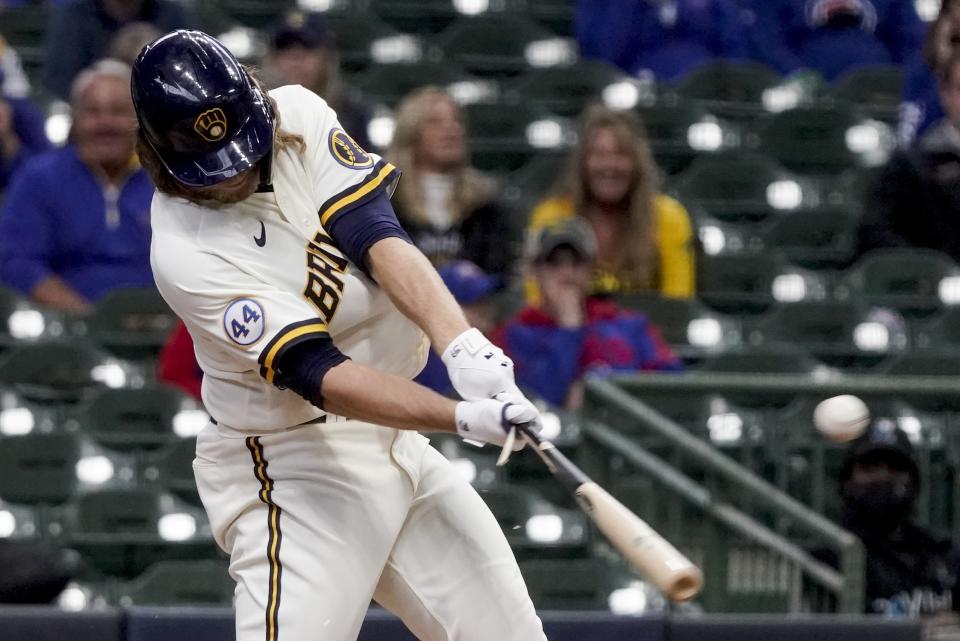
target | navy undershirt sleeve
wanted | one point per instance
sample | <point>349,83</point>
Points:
<point>356,230</point>
<point>302,367</point>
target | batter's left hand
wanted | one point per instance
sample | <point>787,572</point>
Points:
<point>477,368</point>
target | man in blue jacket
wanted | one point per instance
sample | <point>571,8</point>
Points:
<point>76,221</point>
<point>833,36</point>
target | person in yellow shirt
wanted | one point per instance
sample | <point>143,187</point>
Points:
<point>645,238</point>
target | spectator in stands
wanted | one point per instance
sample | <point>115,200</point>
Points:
<point>833,36</point>
<point>665,37</point>
<point>33,573</point>
<point>22,134</point>
<point>920,104</point>
<point>645,237</point>
<point>178,362</point>
<point>916,200</point>
<point>570,333</point>
<point>76,221</point>
<point>302,53</point>
<point>131,39</point>
<point>15,83</point>
<point>447,207</point>
<point>473,289</point>
<point>910,570</point>
<point>81,32</point>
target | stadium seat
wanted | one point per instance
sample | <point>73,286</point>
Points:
<point>389,84</point>
<point>131,323</point>
<point>556,14</point>
<point>253,13</point>
<point>916,282</point>
<point>734,89</point>
<point>503,137</point>
<point>940,332</point>
<point>172,468</point>
<point>875,89</point>
<point>38,468</point>
<point>843,334</point>
<point>134,419</point>
<point>415,16</point>
<point>751,284</point>
<point>679,132</point>
<point>565,90</point>
<point>526,186</point>
<point>488,45</point>
<point>24,28</point>
<point>361,38</point>
<point>825,140</point>
<point>57,370</point>
<point>739,187</point>
<point>766,359</point>
<point>535,527</point>
<point>692,329</point>
<point>822,238</point>
<point>573,584</point>
<point>926,362</point>
<point>183,583</point>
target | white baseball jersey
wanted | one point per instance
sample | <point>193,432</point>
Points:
<point>255,278</point>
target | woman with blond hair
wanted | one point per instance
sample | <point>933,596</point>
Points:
<point>645,239</point>
<point>447,207</point>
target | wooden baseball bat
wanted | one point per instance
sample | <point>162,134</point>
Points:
<point>650,554</point>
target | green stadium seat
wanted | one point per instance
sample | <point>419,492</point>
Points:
<point>535,527</point>
<point>875,89</point>
<point>38,468</point>
<point>821,238</point>
<point>253,13</point>
<point>565,90</point>
<point>24,28</point>
<point>692,329</point>
<point>556,14</point>
<point>415,16</point>
<point>58,370</point>
<point>488,45</point>
<point>765,359</point>
<point>172,469</point>
<point>843,334</point>
<point>504,137</point>
<point>131,323</point>
<point>180,583</point>
<point>137,419</point>
<point>573,584</point>
<point>734,89</point>
<point>360,39</point>
<point>928,362</point>
<point>740,187</point>
<point>916,282</point>
<point>751,283</point>
<point>526,186</point>
<point>941,331</point>
<point>825,140</point>
<point>679,132</point>
<point>389,84</point>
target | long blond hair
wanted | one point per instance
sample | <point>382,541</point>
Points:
<point>636,253</point>
<point>470,188</point>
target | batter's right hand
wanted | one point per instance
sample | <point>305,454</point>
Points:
<point>491,420</point>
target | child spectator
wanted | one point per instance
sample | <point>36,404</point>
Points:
<point>571,334</point>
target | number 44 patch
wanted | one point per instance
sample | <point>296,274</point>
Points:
<point>243,321</point>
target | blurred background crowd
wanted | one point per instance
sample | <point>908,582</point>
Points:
<point>607,187</point>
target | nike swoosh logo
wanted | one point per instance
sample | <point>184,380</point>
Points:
<point>262,240</point>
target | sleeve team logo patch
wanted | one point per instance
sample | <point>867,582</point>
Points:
<point>211,124</point>
<point>347,152</point>
<point>243,321</point>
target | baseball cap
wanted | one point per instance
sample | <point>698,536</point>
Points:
<point>303,28</point>
<point>882,438</point>
<point>573,232</point>
<point>467,282</point>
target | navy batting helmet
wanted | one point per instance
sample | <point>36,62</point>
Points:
<point>199,109</point>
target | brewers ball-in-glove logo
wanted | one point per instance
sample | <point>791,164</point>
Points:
<point>211,124</point>
<point>347,152</point>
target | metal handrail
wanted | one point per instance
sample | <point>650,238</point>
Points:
<point>850,597</point>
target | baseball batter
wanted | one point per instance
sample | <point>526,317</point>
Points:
<point>275,242</point>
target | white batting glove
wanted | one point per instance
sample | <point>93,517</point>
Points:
<point>477,368</point>
<point>492,420</point>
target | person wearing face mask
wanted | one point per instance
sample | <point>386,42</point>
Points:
<point>910,570</point>
<point>447,206</point>
<point>645,240</point>
<point>76,221</point>
<point>571,333</point>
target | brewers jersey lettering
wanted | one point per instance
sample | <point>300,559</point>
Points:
<point>253,278</point>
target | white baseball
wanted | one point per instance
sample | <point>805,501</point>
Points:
<point>841,418</point>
